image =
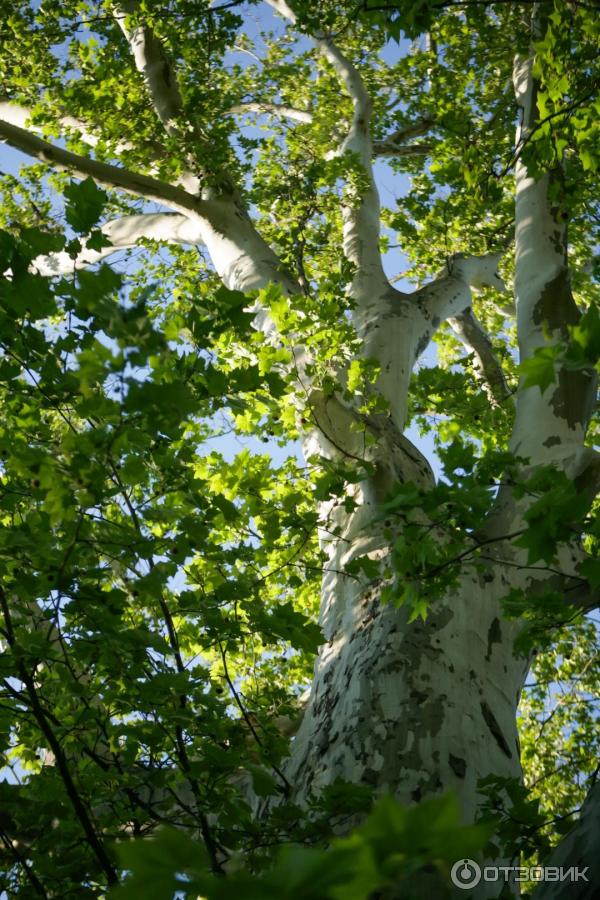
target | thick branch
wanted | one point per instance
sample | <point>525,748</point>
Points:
<point>450,293</point>
<point>544,301</point>
<point>361,206</point>
<point>395,144</point>
<point>160,74</point>
<point>487,366</point>
<point>123,234</point>
<point>16,114</point>
<point>358,139</point>
<point>274,109</point>
<point>154,64</point>
<point>383,149</point>
<point>111,176</point>
<point>580,848</point>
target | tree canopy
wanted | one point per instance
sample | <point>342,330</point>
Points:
<point>214,197</point>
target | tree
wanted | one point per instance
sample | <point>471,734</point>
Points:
<point>159,602</point>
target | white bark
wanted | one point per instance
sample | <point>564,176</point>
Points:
<point>242,258</point>
<point>410,708</point>
<point>396,327</point>
<point>123,234</point>
<point>487,367</point>
<point>545,305</point>
<point>549,428</point>
<point>112,176</point>
<point>279,110</point>
<point>361,211</point>
<point>155,66</point>
<point>580,848</point>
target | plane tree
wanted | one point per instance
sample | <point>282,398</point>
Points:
<point>203,241</point>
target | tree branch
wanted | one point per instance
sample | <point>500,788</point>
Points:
<point>579,848</point>
<point>383,149</point>
<point>544,300</point>
<point>361,211</point>
<point>395,144</point>
<point>112,176</point>
<point>160,75</point>
<point>579,593</point>
<point>82,813</point>
<point>358,138</point>
<point>239,253</point>
<point>487,366</point>
<point>274,109</point>
<point>16,114</point>
<point>123,234</point>
<point>450,293</point>
<point>154,64</point>
<point>12,846</point>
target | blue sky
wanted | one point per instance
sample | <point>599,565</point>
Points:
<point>391,186</point>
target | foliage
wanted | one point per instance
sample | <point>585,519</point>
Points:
<point>110,493</point>
<point>392,848</point>
<point>159,592</point>
<point>559,748</point>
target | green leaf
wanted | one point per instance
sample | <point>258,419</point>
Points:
<point>262,781</point>
<point>85,203</point>
<point>160,866</point>
<point>553,516</point>
<point>370,567</point>
<point>590,569</point>
<point>539,369</point>
<point>585,337</point>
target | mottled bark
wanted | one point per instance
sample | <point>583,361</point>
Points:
<point>412,708</point>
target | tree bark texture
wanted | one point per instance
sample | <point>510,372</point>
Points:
<point>412,708</point>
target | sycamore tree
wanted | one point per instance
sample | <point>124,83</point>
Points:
<point>225,675</point>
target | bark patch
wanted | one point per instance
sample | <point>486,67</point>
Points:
<point>494,637</point>
<point>556,307</point>
<point>574,397</point>
<point>458,765</point>
<point>422,343</point>
<point>492,723</point>
<point>552,441</point>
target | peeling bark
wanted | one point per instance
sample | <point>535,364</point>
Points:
<point>545,305</point>
<point>413,708</point>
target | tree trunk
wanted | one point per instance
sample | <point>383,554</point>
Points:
<point>409,708</point>
<point>412,708</point>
